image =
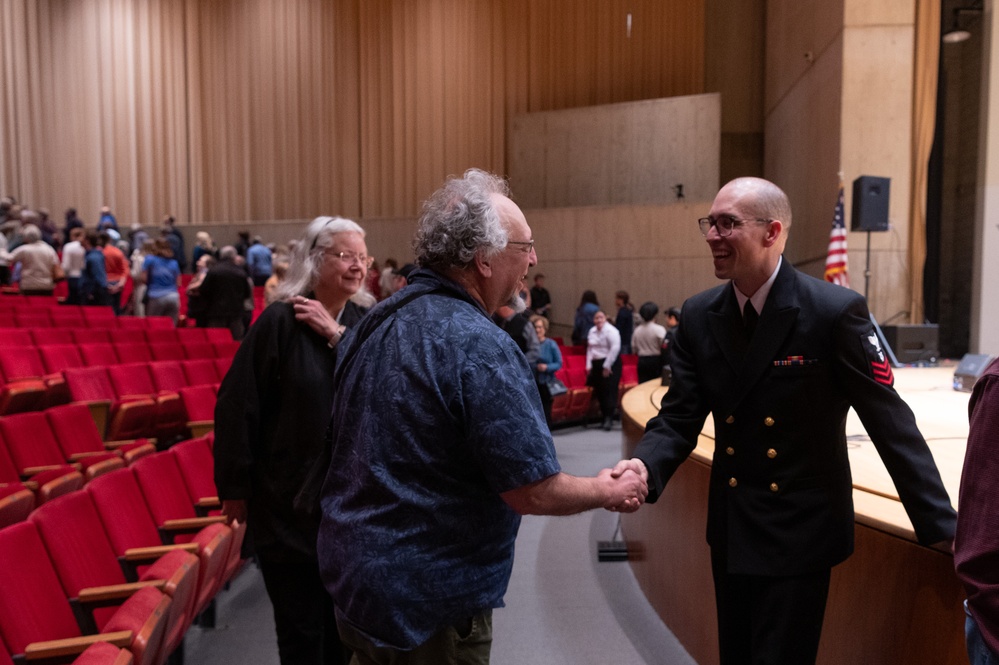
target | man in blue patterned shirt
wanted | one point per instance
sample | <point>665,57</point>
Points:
<point>440,444</point>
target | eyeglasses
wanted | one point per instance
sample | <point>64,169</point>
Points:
<point>724,224</point>
<point>528,243</point>
<point>350,258</point>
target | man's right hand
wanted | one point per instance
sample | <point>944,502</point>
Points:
<point>626,491</point>
<point>633,464</point>
<point>234,510</point>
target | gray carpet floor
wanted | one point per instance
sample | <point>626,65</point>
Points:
<point>562,606</point>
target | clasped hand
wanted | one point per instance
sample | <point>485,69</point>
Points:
<point>627,490</point>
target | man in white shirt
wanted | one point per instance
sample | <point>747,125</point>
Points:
<point>72,265</point>
<point>603,364</point>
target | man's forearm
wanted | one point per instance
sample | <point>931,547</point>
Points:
<point>563,494</point>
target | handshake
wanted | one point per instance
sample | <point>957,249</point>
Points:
<point>626,485</point>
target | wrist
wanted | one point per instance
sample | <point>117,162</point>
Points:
<point>335,338</point>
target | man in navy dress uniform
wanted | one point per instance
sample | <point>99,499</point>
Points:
<point>778,358</point>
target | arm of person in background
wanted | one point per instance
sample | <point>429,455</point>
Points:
<point>564,494</point>
<point>615,349</point>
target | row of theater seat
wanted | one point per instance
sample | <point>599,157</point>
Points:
<point>20,337</point>
<point>75,316</point>
<point>579,403</point>
<point>102,558</point>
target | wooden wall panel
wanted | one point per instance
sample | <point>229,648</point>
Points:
<point>634,152</point>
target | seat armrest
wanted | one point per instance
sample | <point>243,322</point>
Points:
<point>54,649</point>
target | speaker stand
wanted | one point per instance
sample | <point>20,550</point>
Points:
<point>867,276</point>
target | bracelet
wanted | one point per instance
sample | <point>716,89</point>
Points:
<point>337,336</point>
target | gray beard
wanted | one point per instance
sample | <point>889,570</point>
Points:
<point>517,304</point>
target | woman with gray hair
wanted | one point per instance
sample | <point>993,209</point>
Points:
<point>273,409</point>
<point>38,262</point>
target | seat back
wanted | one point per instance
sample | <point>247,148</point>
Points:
<point>44,336</point>
<point>33,606</point>
<point>92,336</point>
<point>30,440</point>
<point>129,335</point>
<point>167,375</point>
<point>199,350</point>
<point>133,352</point>
<point>192,336</point>
<point>17,337</point>
<point>162,336</point>
<point>218,335</point>
<point>222,366</point>
<point>97,354</point>
<point>74,429</point>
<point>21,363</point>
<point>167,350</point>
<point>123,511</point>
<point>57,357</point>
<point>197,466</point>
<point>89,384</point>
<point>32,319</point>
<point>199,402</point>
<point>163,487</point>
<point>78,547</point>
<point>200,372</point>
<point>67,318</point>
<point>131,380</point>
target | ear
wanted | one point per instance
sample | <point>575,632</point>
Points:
<point>483,265</point>
<point>775,229</point>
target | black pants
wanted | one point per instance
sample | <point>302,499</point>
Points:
<point>605,387</point>
<point>546,402</point>
<point>765,620</point>
<point>303,613</point>
<point>649,368</point>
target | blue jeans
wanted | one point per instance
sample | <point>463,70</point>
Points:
<point>978,652</point>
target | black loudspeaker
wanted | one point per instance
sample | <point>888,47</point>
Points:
<point>971,367</point>
<point>870,203</point>
<point>914,343</point>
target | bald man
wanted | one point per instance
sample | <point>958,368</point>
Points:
<point>778,358</point>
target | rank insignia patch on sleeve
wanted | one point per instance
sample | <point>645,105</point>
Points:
<point>880,367</point>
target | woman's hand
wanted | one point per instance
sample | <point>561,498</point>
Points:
<point>542,367</point>
<point>314,314</point>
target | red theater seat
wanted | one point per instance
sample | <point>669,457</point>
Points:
<point>33,448</point>
<point>77,435</point>
<point>34,608</point>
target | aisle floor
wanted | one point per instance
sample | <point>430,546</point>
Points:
<point>562,606</point>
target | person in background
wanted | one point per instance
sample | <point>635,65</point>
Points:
<point>672,325</point>
<point>603,365</point>
<point>976,543</point>
<point>107,220</point>
<point>270,422</point>
<point>373,282</point>
<point>778,358</point>
<point>242,242</point>
<point>259,262</point>
<point>386,278</point>
<point>648,343</point>
<point>588,306</point>
<point>37,260</point>
<point>196,310</point>
<point>116,267</point>
<point>136,237</point>
<point>162,276</point>
<point>94,278</point>
<point>625,319</point>
<point>549,361</point>
<point>72,222</point>
<point>519,328</point>
<point>138,259</point>
<point>273,284</point>
<point>440,444</point>
<point>50,234</point>
<point>72,265</point>
<point>541,300</point>
<point>400,277</point>
<point>224,292</point>
<point>176,240</point>
<point>203,244</point>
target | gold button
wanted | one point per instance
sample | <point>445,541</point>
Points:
<point>768,421</point>
<point>730,420</point>
<point>732,482</point>
<point>771,453</point>
<point>730,450</point>
<point>773,487</point>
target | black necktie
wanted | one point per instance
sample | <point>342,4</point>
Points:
<point>749,318</point>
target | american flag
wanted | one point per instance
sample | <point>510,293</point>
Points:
<point>836,258</point>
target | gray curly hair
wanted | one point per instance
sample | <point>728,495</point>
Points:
<point>307,258</point>
<point>459,220</point>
